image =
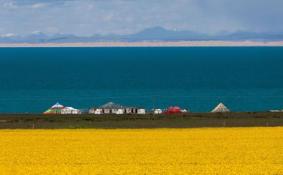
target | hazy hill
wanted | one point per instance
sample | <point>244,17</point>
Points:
<point>150,34</point>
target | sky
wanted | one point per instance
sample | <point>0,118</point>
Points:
<point>88,17</point>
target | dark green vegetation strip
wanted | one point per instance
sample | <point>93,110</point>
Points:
<point>190,120</point>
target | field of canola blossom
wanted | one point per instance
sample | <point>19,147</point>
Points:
<point>142,151</point>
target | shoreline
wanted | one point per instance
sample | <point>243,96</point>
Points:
<point>150,121</point>
<point>152,44</point>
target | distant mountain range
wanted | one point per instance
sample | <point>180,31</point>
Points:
<point>150,34</point>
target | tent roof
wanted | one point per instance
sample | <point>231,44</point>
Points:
<point>111,105</point>
<point>70,108</point>
<point>174,108</point>
<point>220,108</point>
<point>57,106</point>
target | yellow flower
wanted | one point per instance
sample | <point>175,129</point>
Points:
<point>222,151</point>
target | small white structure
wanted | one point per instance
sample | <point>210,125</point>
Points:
<point>97,111</point>
<point>220,108</point>
<point>131,110</point>
<point>107,111</point>
<point>120,111</point>
<point>157,111</point>
<point>141,111</point>
<point>94,111</point>
<point>113,111</point>
<point>70,110</point>
<point>184,110</point>
<point>111,108</point>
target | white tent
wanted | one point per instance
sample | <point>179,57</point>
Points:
<point>55,109</point>
<point>220,108</point>
<point>70,110</point>
<point>157,111</point>
<point>120,111</point>
<point>141,111</point>
<point>97,111</point>
<point>184,110</point>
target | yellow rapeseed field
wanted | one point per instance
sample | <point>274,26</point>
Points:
<point>142,151</point>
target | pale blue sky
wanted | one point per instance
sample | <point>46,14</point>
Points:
<point>87,17</point>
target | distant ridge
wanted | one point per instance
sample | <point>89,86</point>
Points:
<point>150,34</point>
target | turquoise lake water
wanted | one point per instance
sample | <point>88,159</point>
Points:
<point>198,78</point>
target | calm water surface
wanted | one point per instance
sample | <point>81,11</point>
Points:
<point>244,78</point>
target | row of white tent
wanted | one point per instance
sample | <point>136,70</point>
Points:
<point>108,108</point>
<point>112,108</point>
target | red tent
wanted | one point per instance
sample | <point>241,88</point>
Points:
<point>173,110</point>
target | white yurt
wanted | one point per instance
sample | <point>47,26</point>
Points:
<point>141,111</point>
<point>55,109</point>
<point>220,108</point>
<point>184,110</point>
<point>157,111</point>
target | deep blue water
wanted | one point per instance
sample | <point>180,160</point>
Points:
<point>198,78</point>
